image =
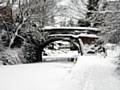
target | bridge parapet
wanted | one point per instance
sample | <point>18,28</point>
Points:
<point>71,30</point>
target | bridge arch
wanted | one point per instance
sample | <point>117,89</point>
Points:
<point>68,39</point>
<point>62,39</point>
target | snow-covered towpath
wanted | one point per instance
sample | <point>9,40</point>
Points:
<point>90,73</point>
<point>93,73</point>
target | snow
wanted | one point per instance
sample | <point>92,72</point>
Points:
<point>113,50</point>
<point>89,73</point>
<point>93,73</point>
<point>76,36</point>
<point>43,76</point>
<point>59,54</point>
<point>88,35</point>
<point>71,28</point>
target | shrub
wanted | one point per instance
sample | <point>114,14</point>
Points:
<point>10,56</point>
<point>7,59</point>
<point>31,53</point>
<point>115,37</point>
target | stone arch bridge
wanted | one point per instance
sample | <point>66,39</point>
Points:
<point>75,35</point>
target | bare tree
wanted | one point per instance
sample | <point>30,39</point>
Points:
<point>86,10</point>
<point>76,9</point>
<point>40,11</point>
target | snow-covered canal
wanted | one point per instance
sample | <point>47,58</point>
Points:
<point>41,76</point>
<point>90,73</point>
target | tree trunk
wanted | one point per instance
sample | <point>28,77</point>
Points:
<point>39,56</point>
<point>38,52</point>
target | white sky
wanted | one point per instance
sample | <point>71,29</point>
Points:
<point>64,2</point>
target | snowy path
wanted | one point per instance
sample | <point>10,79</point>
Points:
<point>93,73</point>
<point>90,73</point>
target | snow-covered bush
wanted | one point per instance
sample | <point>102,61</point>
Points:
<point>7,59</point>
<point>31,53</point>
<point>115,38</point>
<point>11,56</point>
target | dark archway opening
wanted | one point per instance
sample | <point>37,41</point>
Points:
<point>51,40</point>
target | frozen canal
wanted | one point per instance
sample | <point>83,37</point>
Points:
<point>41,76</point>
<point>89,73</point>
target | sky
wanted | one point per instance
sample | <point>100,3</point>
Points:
<point>64,2</point>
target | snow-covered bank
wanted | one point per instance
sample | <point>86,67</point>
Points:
<point>93,73</point>
<point>113,51</point>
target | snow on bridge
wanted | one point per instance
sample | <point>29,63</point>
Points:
<point>87,34</point>
<point>75,36</point>
<point>71,28</point>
